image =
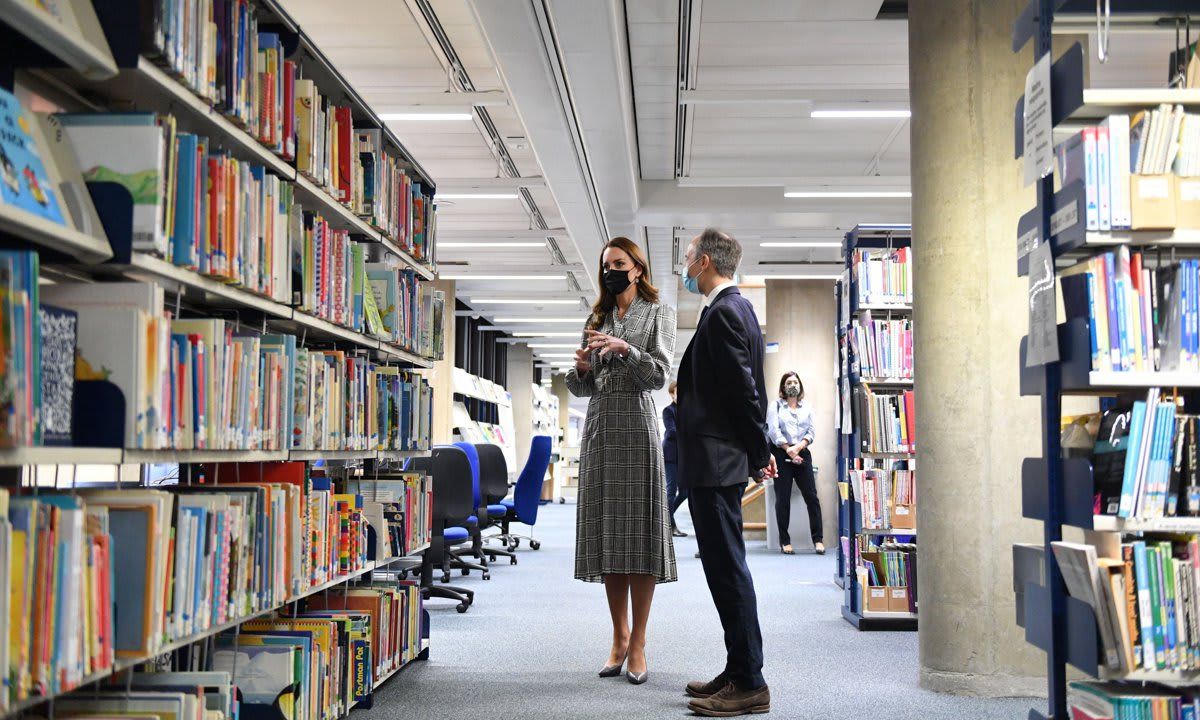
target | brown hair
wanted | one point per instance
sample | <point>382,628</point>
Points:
<point>783,381</point>
<point>607,301</point>
<point>672,386</point>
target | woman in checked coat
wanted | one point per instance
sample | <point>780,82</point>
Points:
<point>623,530</point>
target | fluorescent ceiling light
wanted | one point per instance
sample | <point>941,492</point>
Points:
<point>814,276</point>
<point>552,345</point>
<point>547,334</point>
<point>801,244</point>
<point>517,301</point>
<point>475,196</point>
<point>848,194</point>
<point>426,116</point>
<point>557,355</point>
<point>491,244</point>
<point>502,277</point>
<point>535,320</point>
<point>860,114</point>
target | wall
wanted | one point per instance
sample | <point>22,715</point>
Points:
<point>801,316</point>
<point>520,386</point>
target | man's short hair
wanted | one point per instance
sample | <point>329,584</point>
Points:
<point>722,249</point>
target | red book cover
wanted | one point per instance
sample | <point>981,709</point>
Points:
<point>289,109</point>
<point>343,138</point>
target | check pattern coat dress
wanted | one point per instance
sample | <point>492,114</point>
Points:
<point>622,518</point>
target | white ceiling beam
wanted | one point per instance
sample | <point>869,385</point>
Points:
<point>458,185</point>
<point>869,182</point>
<point>664,204</point>
<point>805,96</point>
<point>388,100</point>
<point>447,231</point>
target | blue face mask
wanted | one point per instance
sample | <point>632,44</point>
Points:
<point>690,283</point>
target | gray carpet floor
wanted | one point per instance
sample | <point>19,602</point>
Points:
<point>531,645</point>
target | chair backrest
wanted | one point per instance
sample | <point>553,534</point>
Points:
<point>451,485</point>
<point>473,456</point>
<point>528,494</point>
<point>493,473</point>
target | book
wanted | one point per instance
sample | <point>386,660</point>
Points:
<point>24,181</point>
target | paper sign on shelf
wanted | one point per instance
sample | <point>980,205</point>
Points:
<point>1039,143</point>
<point>1043,334</point>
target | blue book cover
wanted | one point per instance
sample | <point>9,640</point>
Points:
<point>1114,340</point>
<point>183,235</point>
<point>1129,478</point>
<point>24,182</point>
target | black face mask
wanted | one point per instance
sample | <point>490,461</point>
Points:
<point>616,280</point>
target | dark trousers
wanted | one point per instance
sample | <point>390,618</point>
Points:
<point>675,494</point>
<point>802,476</point>
<point>717,516</point>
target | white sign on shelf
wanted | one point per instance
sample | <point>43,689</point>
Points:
<point>1039,143</point>
<point>1042,345</point>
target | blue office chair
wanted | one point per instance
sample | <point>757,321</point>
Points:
<point>523,507</point>
<point>473,523</point>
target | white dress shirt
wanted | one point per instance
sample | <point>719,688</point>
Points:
<point>708,299</point>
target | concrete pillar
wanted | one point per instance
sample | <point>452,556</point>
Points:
<point>558,384</point>
<point>520,386</point>
<point>442,374</point>
<point>973,428</point>
<point>800,316</point>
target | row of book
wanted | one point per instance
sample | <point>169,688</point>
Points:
<point>101,575</point>
<point>1090,700</point>
<point>203,383</point>
<point>886,422</point>
<point>1112,157</point>
<point>216,49</point>
<point>1144,461</point>
<point>887,574</point>
<point>883,348</point>
<point>886,491</point>
<point>1140,318</point>
<point>884,277</point>
<point>404,505</point>
<point>1146,598</point>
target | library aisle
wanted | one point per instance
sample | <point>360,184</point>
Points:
<point>531,645</point>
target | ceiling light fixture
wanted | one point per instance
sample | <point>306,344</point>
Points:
<point>426,117</point>
<point>848,194</point>
<point>476,196</point>
<point>567,346</point>
<point>547,334</point>
<point>535,320</point>
<point>556,355</point>
<point>491,244</point>
<point>516,301</point>
<point>815,276</point>
<point>860,114</point>
<point>502,277</point>
<point>801,244</point>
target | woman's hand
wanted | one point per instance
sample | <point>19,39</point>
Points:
<point>583,365</point>
<point>606,344</point>
<point>793,452</point>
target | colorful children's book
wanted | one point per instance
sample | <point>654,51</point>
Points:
<point>24,182</point>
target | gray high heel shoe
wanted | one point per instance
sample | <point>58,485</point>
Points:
<point>612,670</point>
<point>637,678</point>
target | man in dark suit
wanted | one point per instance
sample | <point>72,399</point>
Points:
<point>721,430</point>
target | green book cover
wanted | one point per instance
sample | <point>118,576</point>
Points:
<point>1160,657</point>
<point>1169,605</point>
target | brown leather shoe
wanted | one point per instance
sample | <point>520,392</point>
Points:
<point>698,689</point>
<point>730,702</point>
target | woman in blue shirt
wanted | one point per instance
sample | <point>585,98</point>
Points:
<point>790,425</point>
<point>675,494</point>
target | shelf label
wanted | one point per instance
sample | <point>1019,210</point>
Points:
<point>1065,219</point>
<point>1039,145</point>
<point>1027,242</point>
<point>1042,344</point>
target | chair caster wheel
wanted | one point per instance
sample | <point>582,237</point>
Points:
<point>516,543</point>
<point>535,545</point>
<point>466,571</point>
<point>512,561</point>
<point>487,576</point>
<point>445,577</point>
<point>462,607</point>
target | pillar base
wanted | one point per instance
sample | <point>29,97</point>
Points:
<point>980,685</point>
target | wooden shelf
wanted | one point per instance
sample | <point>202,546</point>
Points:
<point>338,215</point>
<point>51,235</point>
<point>74,49</point>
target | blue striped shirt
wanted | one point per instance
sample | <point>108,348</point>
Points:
<point>786,425</point>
